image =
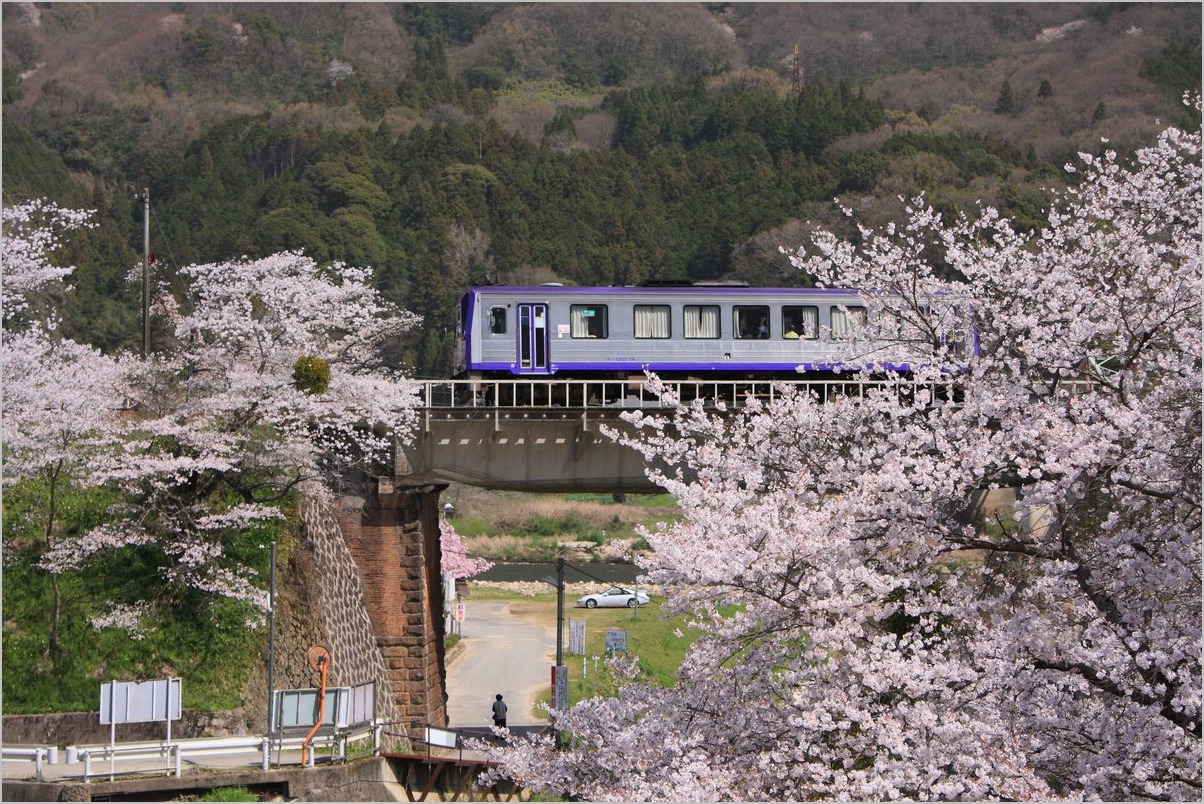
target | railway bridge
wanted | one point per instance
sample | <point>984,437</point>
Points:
<point>529,435</point>
<point>545,435</point>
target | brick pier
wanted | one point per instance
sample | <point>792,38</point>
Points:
<point>394,541</point>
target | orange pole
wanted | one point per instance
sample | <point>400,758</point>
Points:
<point>321,710</point>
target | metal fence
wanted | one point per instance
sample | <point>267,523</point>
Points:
<point>169,756</point>
<point>612,394</point>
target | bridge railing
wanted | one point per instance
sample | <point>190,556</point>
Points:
<point>620,394</point>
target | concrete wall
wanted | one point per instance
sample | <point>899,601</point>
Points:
<point>68,728</point>
<point>370,779</point>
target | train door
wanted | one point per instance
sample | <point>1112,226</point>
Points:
<point>532,339</point>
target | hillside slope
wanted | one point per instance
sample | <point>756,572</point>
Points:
<point>164,72</point>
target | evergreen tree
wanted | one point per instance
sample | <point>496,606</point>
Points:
<point>1007,102</point>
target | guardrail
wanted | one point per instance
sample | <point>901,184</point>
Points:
<point>40,755</point>
<point>615,395</point>
<point>621,394</point>
<point>173,754</point>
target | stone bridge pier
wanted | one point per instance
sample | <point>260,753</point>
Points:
<point>392,538</point>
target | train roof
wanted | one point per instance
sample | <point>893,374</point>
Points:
<point>674,290</point>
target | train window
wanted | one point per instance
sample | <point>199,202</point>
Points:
<point>751,322</point>
<point>652,321</point>
<point>588,321</point>
<point>701,321</point>
<point>497,320</point>
<point>800,322</point>
<point>848,322</point>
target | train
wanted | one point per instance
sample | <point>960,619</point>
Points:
<point>678,332</point>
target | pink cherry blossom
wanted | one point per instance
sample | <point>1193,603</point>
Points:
<point>207,437</point>
<point>455,559</point>
<point>859,635</point>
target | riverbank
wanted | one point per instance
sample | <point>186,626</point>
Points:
<point>621,573</point>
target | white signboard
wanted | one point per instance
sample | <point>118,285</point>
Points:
<point>459,612</point>
<point>299,708</point>
<point>577,637</point>
<point>362,704</point>
<point>444,738</point>
<point>140,701</point>
<point>616,639</point>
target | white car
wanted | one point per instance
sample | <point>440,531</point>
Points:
<point>615,597</point>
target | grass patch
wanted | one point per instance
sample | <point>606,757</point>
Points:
<point>229,794</point>
<point>204,642</point>
<point>513,526</point>
<point>651,639</point>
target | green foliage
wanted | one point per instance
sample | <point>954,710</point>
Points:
<point>1006,104</point>
<point>13,91</point>
<point>230,794</point>
<point>32,170</point>
<point>213,652</point>
<point>694,172</point>
<point>1176,69</point>
<point>1026,206</point>
<point>311,374</point>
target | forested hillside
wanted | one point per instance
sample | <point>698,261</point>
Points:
<point>443,144</point>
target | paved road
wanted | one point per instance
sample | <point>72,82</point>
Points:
<point>502,654</point>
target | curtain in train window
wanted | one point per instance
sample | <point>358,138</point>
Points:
<point>652,321</point>
<point>588,321</point>
<point>751,322</point>
<point>701,321</point>
<point>800,322</point>
<point>847,322</point>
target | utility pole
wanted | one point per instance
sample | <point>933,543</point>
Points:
<point>560,677</point>
<point>559,612</point>
<point>145,273</point>
<point>796,73</point>
<point>272,643</point>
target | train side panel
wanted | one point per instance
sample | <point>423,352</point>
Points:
<point>688,331</point>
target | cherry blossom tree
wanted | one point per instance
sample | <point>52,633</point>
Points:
<point>32,233</point>
<point>274,382</point>
<point>455,559</point>
<point>861,636</point>
<point>61,399</point>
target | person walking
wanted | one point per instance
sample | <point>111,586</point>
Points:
<point>499,712</point>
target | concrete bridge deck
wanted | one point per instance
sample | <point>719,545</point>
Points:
<point>544,435</point>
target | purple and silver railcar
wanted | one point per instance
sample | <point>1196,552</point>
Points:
<point>677,332</point>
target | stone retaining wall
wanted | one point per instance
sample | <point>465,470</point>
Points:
<point>365,584</point>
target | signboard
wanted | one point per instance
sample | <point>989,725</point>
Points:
<point>459,612</point>
<point>140,701</point>
<point>444,738</point>
<point>616,640</point>
<point>577,637</point>
<point>560,687</point>
<point>362,704</point>
<point>299,708</point>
